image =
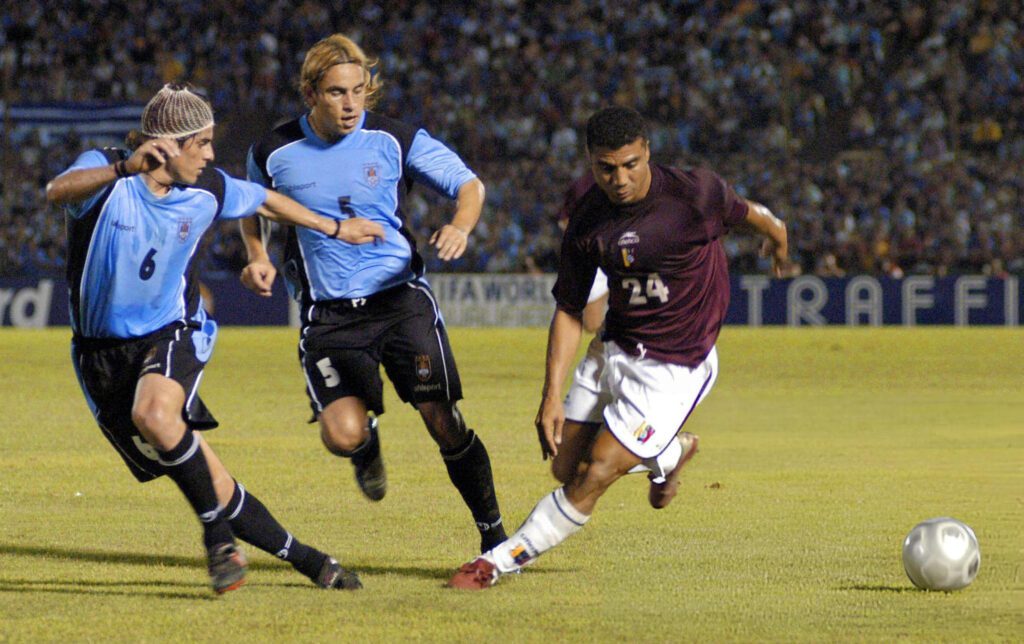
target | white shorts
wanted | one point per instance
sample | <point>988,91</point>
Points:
<point>643,401</point>
<point>599,288</point>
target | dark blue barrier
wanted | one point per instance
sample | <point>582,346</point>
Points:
<point>756,300</point>
<point>865,300</point>
<point>44,302</point>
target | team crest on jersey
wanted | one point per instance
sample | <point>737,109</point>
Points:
<point>371,172</point>
<point>423,371</point>
<point>627,243</point>
<point>627,257</point>
<point>184,226</point>
<point>644,432</point>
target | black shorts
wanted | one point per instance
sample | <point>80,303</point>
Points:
<point>344,342</point>
<point>109,370</point>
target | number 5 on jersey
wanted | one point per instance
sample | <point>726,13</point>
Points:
<point>638,295</point>
<point>330,374</point>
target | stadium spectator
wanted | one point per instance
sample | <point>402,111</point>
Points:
<point>793,85</point>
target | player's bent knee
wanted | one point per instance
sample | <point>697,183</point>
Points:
<point>445,424</point>
<point>340,438</point>
<point>159,426</point>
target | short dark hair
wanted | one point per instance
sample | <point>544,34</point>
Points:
<point>613,127</point>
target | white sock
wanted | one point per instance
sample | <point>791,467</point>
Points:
<point>552,521</point>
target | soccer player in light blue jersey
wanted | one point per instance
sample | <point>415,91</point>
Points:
<point>363,306</point>
<point>141,337</point>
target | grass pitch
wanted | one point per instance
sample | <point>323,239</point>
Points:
<point>820,449</point>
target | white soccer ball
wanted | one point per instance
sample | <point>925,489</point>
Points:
<point>941,554</point>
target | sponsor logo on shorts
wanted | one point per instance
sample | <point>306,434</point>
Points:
<point>644,432</point>
<point>184,226</point>
<point>423,370</point>
<point>371,172</point>
<point>520,555</point>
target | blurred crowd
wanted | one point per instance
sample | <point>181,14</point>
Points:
<point>887,134</point>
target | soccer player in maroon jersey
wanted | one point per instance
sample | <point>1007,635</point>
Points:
<point>656,233</point>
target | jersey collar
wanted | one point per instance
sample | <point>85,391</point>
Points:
<point>652,193</point>
<point>307,129</point>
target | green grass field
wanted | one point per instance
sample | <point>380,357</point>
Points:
<point>820,449</point>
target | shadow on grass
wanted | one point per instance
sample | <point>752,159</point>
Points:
<point>144,559</point>
<point>108,588</point>
<point>880,588</point>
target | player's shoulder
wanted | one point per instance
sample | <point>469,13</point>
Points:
<point>577,195</point>
<point>281,135</point>
<point>687,182</point>
<point>96,157</point>
<point>212,180</point>
<point>375,121</point>
<point>402,131</point>
<point>112,154</point>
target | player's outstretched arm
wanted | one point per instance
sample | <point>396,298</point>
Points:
<point>355,230</point>
<point>451,240</point>
<point>776,243</point>
<point>258,276</point>
<point>563,342</point>
<point>74,186</point>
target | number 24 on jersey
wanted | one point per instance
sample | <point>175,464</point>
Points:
<point>640,293</point>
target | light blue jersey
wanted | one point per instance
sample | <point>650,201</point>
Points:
<point>366,173</point>
<point>130,252</point>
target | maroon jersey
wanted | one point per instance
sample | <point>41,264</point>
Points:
<point>668,277</point>
<point>576,190</point>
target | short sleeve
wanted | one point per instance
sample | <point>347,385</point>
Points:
<point>431,162</point>
<point>576,272</point>
<point>717,200</point>
<point>241,198</point>
<point>253,170</point>
<point>85,161</point>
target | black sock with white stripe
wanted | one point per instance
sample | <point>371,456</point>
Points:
<point>469,468</point>
<point>186,465</point>
<point>253,523</point>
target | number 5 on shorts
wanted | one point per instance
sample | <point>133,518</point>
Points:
<point>330,374</point>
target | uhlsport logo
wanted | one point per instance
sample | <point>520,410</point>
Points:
<point>644,432</point>
<point>423,370</point>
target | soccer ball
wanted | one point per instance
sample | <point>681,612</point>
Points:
<point>941,554</point>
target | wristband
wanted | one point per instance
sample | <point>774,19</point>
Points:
<point>121,169</point>
<point>337,228</point>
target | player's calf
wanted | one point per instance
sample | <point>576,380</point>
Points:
<point>661,494</point>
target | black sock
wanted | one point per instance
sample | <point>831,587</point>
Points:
<point>469,468</point>
<point>186,465</point>
<point>253,523</point>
